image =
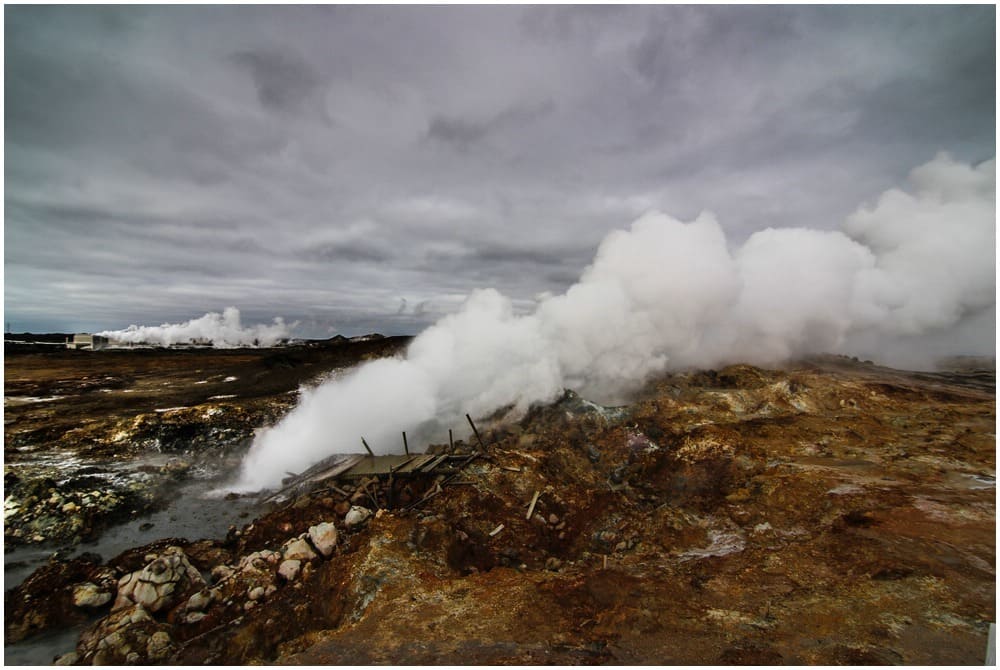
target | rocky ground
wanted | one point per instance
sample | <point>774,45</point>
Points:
<point>828,512</point>
<point>94,438</point>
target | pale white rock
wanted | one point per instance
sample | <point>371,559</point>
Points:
<point>298,550</point>
<point>199,601</point>
<point>157,585</point>
<point>356,516</point>
<point>324,537</point>
<point>289,569</point>
<point>221,572</point>
<point>256,593</point>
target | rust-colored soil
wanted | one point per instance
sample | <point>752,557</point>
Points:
<point>830,512</point>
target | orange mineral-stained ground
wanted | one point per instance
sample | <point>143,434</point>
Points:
<point>827,512</point>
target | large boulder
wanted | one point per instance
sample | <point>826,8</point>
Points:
<point>127,636</point>
<point>161,584</point>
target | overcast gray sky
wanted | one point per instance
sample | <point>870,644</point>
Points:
<point>361,168</point>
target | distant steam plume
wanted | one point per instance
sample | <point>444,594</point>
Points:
<point>668,294</point>
<point>223,331</point>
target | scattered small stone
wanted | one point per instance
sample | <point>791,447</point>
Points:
<point>553,563</point>
<point>249,605</point>
<point>145,526</point>
<point>297,550</point>
<point>199,601</point>
<point>357,516</point>
<point>289,569</point>
<point>256,593</point>
<point>70,658</point>
<point>221,572</point>
<point>159,645</point>
<point>553,519</point>
<point>324,538</point>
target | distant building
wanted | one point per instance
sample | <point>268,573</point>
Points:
<point>86,341</point>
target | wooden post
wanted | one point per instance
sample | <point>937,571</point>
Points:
<point>369,449</point>
<point>451,442</point>
<point>531,507</point>
<point>389,493</point>
<point>482,447</point>
<point>406,447</point>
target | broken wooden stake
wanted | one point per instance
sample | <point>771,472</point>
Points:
<point>406,447</point>
<point>496,531</point>
<point>482,447</point>
<point>451,442</point>
<point>369,449</point>
<point>605,561</point>
<point>507,467</point>
<point>531,507</point>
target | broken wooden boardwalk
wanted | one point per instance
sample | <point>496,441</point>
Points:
<point>356,466</point>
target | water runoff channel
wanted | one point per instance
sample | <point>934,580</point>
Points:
<point>194,510</point>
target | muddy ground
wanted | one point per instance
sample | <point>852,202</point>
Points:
<point>827,512</point>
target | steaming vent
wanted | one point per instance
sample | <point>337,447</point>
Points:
<point>906,279</point>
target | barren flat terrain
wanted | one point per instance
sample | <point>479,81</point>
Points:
<point>826,512</point>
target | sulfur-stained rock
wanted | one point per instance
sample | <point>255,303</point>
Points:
<point>121,637</point>
<point>89,594</point>
<point>69,658</point>
<point>159,646</point>
<point>324,537</point>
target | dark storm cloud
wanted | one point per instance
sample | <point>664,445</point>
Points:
<point>328,164</point>
<point>284,81</point>
<point>463,132</point>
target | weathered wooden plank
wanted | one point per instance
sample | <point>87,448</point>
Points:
<point>347,463</point>
<point>376,465</point>
<point>434,463</point>
<point>415,463</point>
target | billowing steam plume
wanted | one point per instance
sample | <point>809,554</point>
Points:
<point>666,294</point>
<point>222,331</point>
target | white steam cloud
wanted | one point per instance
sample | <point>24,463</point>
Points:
<point>222,331</point>
<point>668,294</point>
